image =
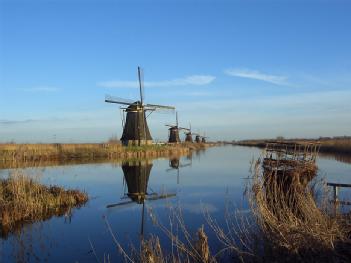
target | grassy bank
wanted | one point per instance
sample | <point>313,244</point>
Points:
<point>328,145</point>
<point>24,199</point>
<point>93,151</point>
<point>336,146</point>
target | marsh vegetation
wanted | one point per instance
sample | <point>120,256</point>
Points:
<point>335,145</point>
<point>24,199</point>
<point>92,151</point>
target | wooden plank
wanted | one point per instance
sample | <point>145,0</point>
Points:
<point>338,185</point>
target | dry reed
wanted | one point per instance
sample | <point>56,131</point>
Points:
<point>45,152</point>
<point>190,248</point>
<point>292,226</point>
<point>342,146</point>
<point>24,199</point>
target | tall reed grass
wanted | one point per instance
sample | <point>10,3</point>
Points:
<point>336,146</point>
<point>45,152</point>
<point>24,199</point>
<point>292,226</point>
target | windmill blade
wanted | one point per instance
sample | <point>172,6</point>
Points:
<point>185,165</point>
<point>142,222</point>
<point>110,99</point>
<point>141,84</point>
<point>177,118</point>
<point>152,194</point>
<point>181,128</point>
<point>121,112</point>
<point>161,196</point>
<point>119,204</point>
<point>178,176</point>
<point>170,169</point>
<point>169,125</point>
<point>156,107</point>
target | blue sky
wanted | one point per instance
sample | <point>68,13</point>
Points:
<point>234,69</point>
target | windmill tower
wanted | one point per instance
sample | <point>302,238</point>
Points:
<point>189,135</point>
<point>197,138</point>
<point>136,130</point>
<point>203,140</point>
<point>173,136</point>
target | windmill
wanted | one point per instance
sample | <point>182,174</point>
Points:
<point>203,140</point>
<point>197,138</point>
<point>175,164</point>
<point>189,135</point>
<point>136,178</point>
<point>174,131</point>
<point>135,128</point>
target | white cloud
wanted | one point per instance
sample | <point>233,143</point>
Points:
<point>194,80</point>
<point>254,74</point>
<point>41,89</point>
<point>199,94</point>
<point>10,122</point>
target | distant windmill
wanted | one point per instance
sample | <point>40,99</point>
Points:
<point>136,177</point>
<point>189,135</point>
<point>203,140</point>
<point>200,139</point>
<point>197,138</point>
<point>174,131</point>
<point>136,130</point>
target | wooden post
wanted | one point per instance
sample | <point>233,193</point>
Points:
<point>336,193</point>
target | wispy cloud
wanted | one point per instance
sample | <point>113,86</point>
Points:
<point>11,122</point>
<point>199,94</point>
<point>41,89</point>
<point>194,80</point>
<point>257,75</point>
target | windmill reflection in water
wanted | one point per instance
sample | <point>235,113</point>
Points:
<point>174,164</point>
<point>136,178</point>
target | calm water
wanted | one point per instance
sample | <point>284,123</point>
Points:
<point>207,180</point>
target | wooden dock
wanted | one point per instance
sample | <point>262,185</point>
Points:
<point>336,187</point>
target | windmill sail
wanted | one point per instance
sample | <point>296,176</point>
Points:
<point>117,100</point>
<point>141,84</point>
<point>159,107</point>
